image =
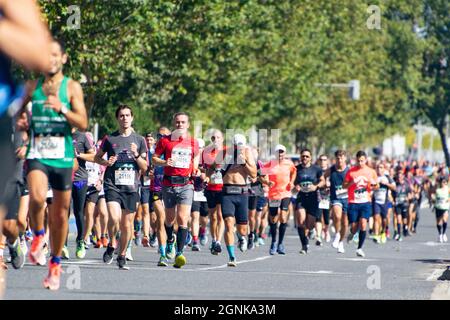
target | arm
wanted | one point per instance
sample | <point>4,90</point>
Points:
<point>23,35</point>
<point>249,164</point>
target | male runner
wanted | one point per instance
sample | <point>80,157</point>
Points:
<point>324,205</point>
<point>360,180</point>
<point>440,196</point>
<point>403,195</point>
<point>127,156</point>
<point>282,174</point>
<point>181,160</point>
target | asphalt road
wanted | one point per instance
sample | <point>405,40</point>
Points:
<point>395,270</point>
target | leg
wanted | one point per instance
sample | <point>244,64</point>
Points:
<point>126,230</point>
<point>114,212</point>
<point>89,219</point>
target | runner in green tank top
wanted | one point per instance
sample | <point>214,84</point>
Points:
<point>440,196</point>
<point>57,105</point>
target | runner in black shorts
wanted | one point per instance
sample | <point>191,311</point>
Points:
<point>309,180</point>
<point>127,156</point>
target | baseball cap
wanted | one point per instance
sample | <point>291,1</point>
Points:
<point>239,139</point>
<point>279,147</point>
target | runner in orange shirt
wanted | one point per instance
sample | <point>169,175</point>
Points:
<point>360,180</point>
<point>282,174</point>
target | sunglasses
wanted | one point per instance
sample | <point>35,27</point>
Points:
<point>305,156</point>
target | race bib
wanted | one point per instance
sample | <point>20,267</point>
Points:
<point>49,147</point>
<point>305,186</point>
<point>182,157</point>
<point>199,196</point>
<point>324,204</point>
<point>442,204</point>
<point>380,196</point>
<point>274,203</point>
<point>216,178</point>
<point>341,193</point>
<point>401,199</point>
<point>361,196</point>
<point>124,177</point>
<point>146,181</point>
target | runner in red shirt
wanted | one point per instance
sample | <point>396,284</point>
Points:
<point>282,174</point>
<point>181,156</point>
<point>213,193</point>
<point>360,180</point>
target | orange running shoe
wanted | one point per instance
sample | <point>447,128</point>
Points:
<point>37,255</point>
<point>99,244</point>
<point>54,276</point>
<point>105,241</point>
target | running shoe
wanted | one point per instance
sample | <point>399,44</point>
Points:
<point>304,250</point>
<point>188,240</point>
<point>349,237</point>
<point>195,246</point>
<point>145,242</point>
<point>17,256</point>
<point>104,241</point>
<point>400,238</point>
<point>52,280</point>
<point>243,244</point>
<point>356,238</point>
<point>99,244</point>
<point>180,260</point>
<point>28,235</point>
<point>273,248</point>
<point>341,247</point>
<point>261,241</point>
<point>377,239</point>
<point>337,238</point>
<point>444,237</point>
<point>360,253</point>
<point>217,248</point>
<point>319,241</point>
<point>37,255</point>
<point>23,246</point>
<point>251,243</point>
<point>122,263</point>
<point>232,262</point>
<point>108,256</point>
<point>203,239</point>
<point>383,237</point>
<point>137,238</point>
<point>280,249</point>
<point>128,255</point>
<point>170,250</point>
<point>65,253</point>
<point>396,236</point>
<point>153,240</point>
<point>388,234</point>
<point>45,248</point>
<point>441,238</point>
<point>87,244</point>
<point>163,262</point>
<point>81,249</point>
<point>212,248</point>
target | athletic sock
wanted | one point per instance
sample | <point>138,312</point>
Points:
<point>230,250</point>
<point>202,231</point>
<point>195,238</point>
<point>38,233</point>
<point>303,238</point>
<point>399,229</point>
<point>13,245</point>
<point>273,231</point>
<point>362,237</point>
<point>56,259</point>
<point>283,227</point>
<point>444,227</point>
<point>181,239</point>
<point>169,232</point>
<point>162,250</point>
<point>137,225</point>
<point>439,227</point>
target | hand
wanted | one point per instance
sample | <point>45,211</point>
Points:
<point>53,103</point>
<point>313,188</point>
<point>98,185</point>
<point>111,161</point>
<point>22,122</point>
<point>297,188</point>
<point>21,152</point>
<point>169,162</point>
<point>242,159</point>
<point>134,150</point>
<point>271,184</point>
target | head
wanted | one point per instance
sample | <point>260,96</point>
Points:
<point>381,169</point>
<point>181,122</point>
<point>361,159</point>
<point>341,158</point>
<point>442,181</point>
<point>149,139</point>
<point>124,116</point>
<point>162,131</point>
<point>216,137</point>
<point>280,152</point>
<point>305,157</point>
<point>323,161</point>
<point>400,177</point>
<point>58,57</point>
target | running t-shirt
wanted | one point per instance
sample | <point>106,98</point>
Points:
<point>51,140</point>
<point>280,174</point>
<point>362,178</point>
<point>182,152</point>
<point>82,144</point>
<point>257,187</point>
<point>442,198</point>
<point>209,156</point>
<point>123,176</point>
<point>145,178</point>
<point>380,195</point>
<point>401,193</point>
<point>306,177</point>
<point>337,192</point>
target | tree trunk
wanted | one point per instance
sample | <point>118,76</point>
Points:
<point>443,137</point>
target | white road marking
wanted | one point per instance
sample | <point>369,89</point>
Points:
<point>238,262</point>
<point>356,259</point>
<point>435,274</point>
<point>82,262</point>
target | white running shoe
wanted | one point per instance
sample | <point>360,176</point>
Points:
<point>360,253</point>
<point>444,237</point>
<point>327,237</point>
<point>441,238</point>
<point>243,244</point>
<point>337,238</point>
<point>24,247</point>
<point>341,247</point>
<point>128,255</point>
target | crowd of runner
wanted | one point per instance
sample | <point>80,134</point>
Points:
<point>169,190</point>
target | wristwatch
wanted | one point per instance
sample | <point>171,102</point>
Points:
<point>135,158</point>
<point>63,110</point>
